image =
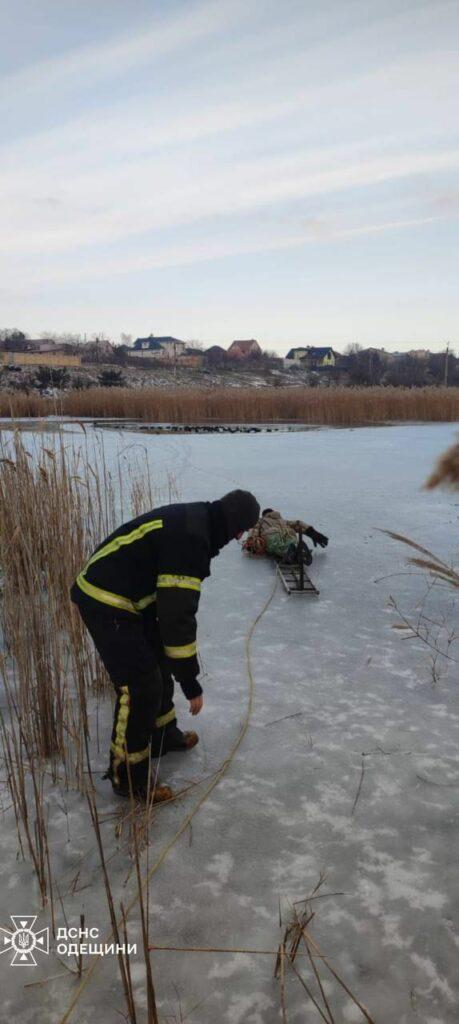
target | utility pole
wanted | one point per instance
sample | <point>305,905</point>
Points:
<point>446,364</point>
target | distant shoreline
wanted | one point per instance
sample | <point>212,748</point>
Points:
<point>246,408</point>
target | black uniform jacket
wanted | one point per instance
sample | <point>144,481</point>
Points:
<point>161,557</point>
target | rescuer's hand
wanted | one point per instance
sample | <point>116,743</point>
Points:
<point>317,538</point>
<point>196,705</point>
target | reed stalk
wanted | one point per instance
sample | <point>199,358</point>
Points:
<point>333,406</point>
<point>56,504</point>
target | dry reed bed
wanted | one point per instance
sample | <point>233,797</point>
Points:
<point>327,406</point>
<point>56,504</point>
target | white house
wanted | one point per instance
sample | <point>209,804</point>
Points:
<point>158,348</point>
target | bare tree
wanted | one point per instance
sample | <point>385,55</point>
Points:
<point>365,366</point>
<point>407,371</point>
<point>13,339</point>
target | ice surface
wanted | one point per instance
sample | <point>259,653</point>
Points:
<point>333,681</point>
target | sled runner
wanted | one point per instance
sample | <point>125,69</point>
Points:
<point>296,580</point>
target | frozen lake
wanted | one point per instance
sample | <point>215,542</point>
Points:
<point>333,681</point>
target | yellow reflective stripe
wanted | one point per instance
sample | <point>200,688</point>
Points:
<point>165,719</point>
<point>182,582</point>
<point>106,596</point>
<point>115,600</point>
<point>135,758</point>
<point>119,746</point>
<point>122,721</point>
<point>125,538</point>
<point>144,602</point>
<point>184,651</point>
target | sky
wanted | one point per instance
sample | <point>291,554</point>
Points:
<point>220,169</point>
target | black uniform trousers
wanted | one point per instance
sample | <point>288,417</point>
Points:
<point>132,652</point>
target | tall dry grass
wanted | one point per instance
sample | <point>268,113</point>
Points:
<point>326,406</point>
<point>56,504</point>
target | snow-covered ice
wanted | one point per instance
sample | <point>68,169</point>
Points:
<point>333,681</point>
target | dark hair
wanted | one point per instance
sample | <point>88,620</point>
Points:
<point>266,511</point>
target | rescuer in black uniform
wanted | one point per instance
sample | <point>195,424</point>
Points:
<point>138,595</point>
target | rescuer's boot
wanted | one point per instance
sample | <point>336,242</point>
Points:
<point>155,793</point>
<point>175,739</point>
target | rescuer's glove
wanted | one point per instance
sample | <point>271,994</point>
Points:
<point>316,537</point>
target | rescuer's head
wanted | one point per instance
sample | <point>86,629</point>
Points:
<point>240,511</point>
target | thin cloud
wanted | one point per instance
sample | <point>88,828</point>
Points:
<point>144,124</point>
<point>207,250</point>
<point>135,201</point>
<point>157,38</point>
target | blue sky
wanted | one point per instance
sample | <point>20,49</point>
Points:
<point>231,168</point>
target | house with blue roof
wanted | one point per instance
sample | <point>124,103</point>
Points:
<point>312,357</point>
<point>159,348</point>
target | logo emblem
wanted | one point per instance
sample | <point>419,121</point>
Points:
<point>23,941</point>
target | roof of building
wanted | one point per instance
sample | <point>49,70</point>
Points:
<point>152,343</point>
<point>246,345</point>
<point>155,343</point>
<point>319,352</point>
<point>299,348</point>
<point>42,341</point>
<point>310,350</point>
